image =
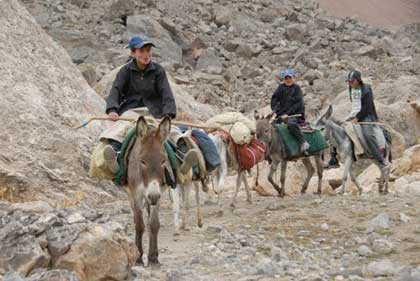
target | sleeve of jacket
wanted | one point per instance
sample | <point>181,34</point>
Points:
<point>297,104</point>
<point>116,93</point>
<point>164,90</point>
<point>367,101</point>
<point>275,102</point>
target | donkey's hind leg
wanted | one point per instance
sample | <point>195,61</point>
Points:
<point>197,201</point>
<point>356,182</point>
<point>319,170</point>
<point>310,173</point>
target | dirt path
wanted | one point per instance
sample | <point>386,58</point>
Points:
<point>317,236</point>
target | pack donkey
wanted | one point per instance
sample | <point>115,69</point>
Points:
<point>145,174</point>
<point>267,134</point>
<point>335,134</point>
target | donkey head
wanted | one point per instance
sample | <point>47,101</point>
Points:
<point>263,127</point>
<point>148,158</point>
<point>322,123</point>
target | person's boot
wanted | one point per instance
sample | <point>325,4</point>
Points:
<point>110,156</point>
<point>333,163</point>
<point>190,159</point>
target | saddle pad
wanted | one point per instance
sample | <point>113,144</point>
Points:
<point>291,147</point>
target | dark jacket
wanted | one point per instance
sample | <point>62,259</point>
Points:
<point>368,106</point>
<point>288,100</point>
<point>133,88</point>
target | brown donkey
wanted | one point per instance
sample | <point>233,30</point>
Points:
<point>145,180</point>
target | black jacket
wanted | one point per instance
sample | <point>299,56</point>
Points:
<point>133,88</point>
<point>368,106</point>
<point>288,100</point>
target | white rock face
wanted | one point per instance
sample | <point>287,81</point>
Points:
<point>43,96</point>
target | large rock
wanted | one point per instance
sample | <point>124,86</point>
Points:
<point>185,103</point>
<point>296,32</point>
<point>167,50</point>
<point>100,253</point>
<point>43,97</point>
<point>209,62</point>
<point>409,162</point>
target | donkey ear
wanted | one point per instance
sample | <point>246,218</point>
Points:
<point>164,127</point>
<point>269,116</point>
<point>329,112</point>
<point>256,115</point>
<point>141,127</point>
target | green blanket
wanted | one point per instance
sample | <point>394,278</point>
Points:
<point>121,175</point>
<point>291,147</point>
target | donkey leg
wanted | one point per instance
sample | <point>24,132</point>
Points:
<point>310,173</point>
<point>154,226</point>
<point>221,174</point>
<point>273,169</point>
<point>319,170</point>
<point>283,178</point>
<point>356,182</point>
<point>197,201</point>
<point>186,205</point>
<point>136,202</point>
<point>247,189</point>
<point>347,166</point>
<point>175,194</point>
<point>238,185</point>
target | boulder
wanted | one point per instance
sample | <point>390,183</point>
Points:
<point>209,62</point>
<point>100,253</point>
<point>42,156</point>
<point>296,32</point>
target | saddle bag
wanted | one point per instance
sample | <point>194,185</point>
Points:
<point>250,154</point>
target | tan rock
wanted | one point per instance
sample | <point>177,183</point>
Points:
<point>100,253</point>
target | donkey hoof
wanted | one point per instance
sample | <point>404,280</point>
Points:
<point>219,213</point>
<point>249,201</point>
<point>139,261</point>
<point>318,193</point>
<point>200,224</point>
<point>303,191</point>
<point>154,264</point>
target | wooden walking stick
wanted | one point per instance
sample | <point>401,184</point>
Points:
<point>174,122</point>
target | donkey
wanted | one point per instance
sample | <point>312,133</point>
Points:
<point>220,173</point>
<point>267,134</point>
<point>145,174</point>
<point>335,134</point>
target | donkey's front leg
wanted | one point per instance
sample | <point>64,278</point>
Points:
<point>136,202</point>
<point>247,189</point>
<point>238,185</point>
<point>273,168</point>
<point>283,177</point>
<point>319,170</point>
<point>154,226</point>
<point>186,205</point>
<point>309,171</point>
<point>347,166</point>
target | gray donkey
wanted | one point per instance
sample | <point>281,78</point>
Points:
<point>267,134</point>
<point>336,136</point>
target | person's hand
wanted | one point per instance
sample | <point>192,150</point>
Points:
<point>113,116</point>
<point>354,120</point>
<point>284,116</point>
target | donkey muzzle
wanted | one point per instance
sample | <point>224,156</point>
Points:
<point>153,193</point>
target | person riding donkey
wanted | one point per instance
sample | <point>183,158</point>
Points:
<point>287,101</point>
<point>363,110</point>
<point>140,87</point>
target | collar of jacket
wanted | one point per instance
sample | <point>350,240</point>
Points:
<point>150,67</point>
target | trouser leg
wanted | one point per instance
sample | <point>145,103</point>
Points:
<point>333,157</point>
<point>369,134</point>
<point>294,129</point>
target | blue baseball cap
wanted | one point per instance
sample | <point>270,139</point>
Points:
<point>138,42</point>
<point>287,73</point>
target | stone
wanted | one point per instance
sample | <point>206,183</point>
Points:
<point>364,251</point>
<point>382,246</point>
<point>209,62</point>
<point>120,8</point>
<point>76,218</point>
<point>296,32</point>
<point>404,218</point>
<point>325,227</point>
<point>99,253</point>
<point>89,72</point>
<point>222,15</point>
<point>380,268</point>
<point>369,51</point>
<point>379,223</point>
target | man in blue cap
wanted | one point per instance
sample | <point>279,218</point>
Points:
<point>287,100</point>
